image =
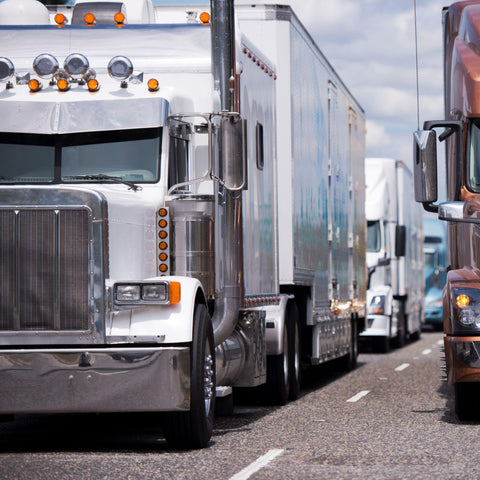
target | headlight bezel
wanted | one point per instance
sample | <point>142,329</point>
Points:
<point>377,304</point>
<point>466,318</point>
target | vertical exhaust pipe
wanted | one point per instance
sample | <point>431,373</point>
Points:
<point>228,204</point>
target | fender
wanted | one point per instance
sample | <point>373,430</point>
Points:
<point>164,324</point>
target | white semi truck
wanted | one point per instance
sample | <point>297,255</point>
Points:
<point>394,255</point>
<point>181,207</point>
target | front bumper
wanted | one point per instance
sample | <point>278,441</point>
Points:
<point>463,359</point>
<point>377,326</point>
<point>95,380</point>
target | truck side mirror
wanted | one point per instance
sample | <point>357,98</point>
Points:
<point>233,134</point>
<point>425,165</point>
<point>400,240</point>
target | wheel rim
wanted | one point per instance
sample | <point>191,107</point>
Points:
<point>208,384</point>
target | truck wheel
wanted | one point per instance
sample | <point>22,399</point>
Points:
<point>467,400</point>
<point>294,350</point>
<point>349,361</point>
<point>193,429</point>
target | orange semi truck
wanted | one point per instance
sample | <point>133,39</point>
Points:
<point>461,132</point>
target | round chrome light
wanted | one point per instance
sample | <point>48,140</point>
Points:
<point>76,65</point>
<point>45,65</point>
<point>6,69</point>
<point>120,68</point>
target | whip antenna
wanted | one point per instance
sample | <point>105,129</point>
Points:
<point>416,62</point>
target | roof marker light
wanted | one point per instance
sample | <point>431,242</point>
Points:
<point>63,84</point>
<point>7,70</point>
<point>119,18</point>
<point>60,19</point>
<point>76,65</point>
<point>93,85</point>
<point>205,18</point>
<point>89,19</point>
<point>34,85</point>
<point>45,65</point>
<point>153,85</point>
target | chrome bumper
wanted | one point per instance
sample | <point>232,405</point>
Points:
<point>95,380</point>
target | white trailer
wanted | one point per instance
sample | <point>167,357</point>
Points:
<point>394,254</point>
<point>182,211</point>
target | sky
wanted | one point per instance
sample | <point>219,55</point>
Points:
<point>371,45</point>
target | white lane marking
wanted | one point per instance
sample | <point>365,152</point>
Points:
<point>257,465</point>
<point>358,396</point>
<point>427,351</point>
<point>401,367</point>
<point>440,342</point>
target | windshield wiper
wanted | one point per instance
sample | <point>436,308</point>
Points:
<point>102,176</point>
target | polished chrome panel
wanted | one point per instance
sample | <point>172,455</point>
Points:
<point>192,239</point>
<point>53,266</point>
<point>96,380</point>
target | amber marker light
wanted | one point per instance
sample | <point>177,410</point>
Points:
<point>163,257</point>
<point>162,212</point>
<point>93,85</point>
<point>163,268</point>
<point>462,300</point>
<point>162,223</point>
<point>60,19</point>
<point>205,18</point>
<point>153,85</point>
<point>89,19</point>
<point>174,292</point>
<point>34,85</point>
<point>63,84</point>
<point>162,245</point>
<point>119,19</point>
<point>163,234</point>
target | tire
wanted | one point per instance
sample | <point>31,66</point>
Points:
<point>467,401</point>
<point>193,429</point>
<point>278,375</point>
<point>294,350</point>
<point>349,361</point>
<point>383,344</point>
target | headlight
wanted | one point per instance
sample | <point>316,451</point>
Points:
<point>466,308</point>
<point>377,305</point>
<point>120,68</point>
<point>45,65</point>
<point>76,65</point>
<point>6,69</point>
<point>144,294</point>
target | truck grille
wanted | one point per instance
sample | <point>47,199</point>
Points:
<point>44,269</point>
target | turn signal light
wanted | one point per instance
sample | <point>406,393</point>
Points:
<point>175,292</point>
<point>462,300</point>
<point>63,84</point>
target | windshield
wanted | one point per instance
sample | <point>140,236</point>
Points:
<point>430,260</point>
<point>129,155</point>
<point>373,236</point>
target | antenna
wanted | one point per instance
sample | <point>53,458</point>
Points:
<point>416,63</point>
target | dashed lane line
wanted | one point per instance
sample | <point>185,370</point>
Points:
<point>358,396</point>
<point>257,465</point>
<point>427,351</point>
<point>401,367</point>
